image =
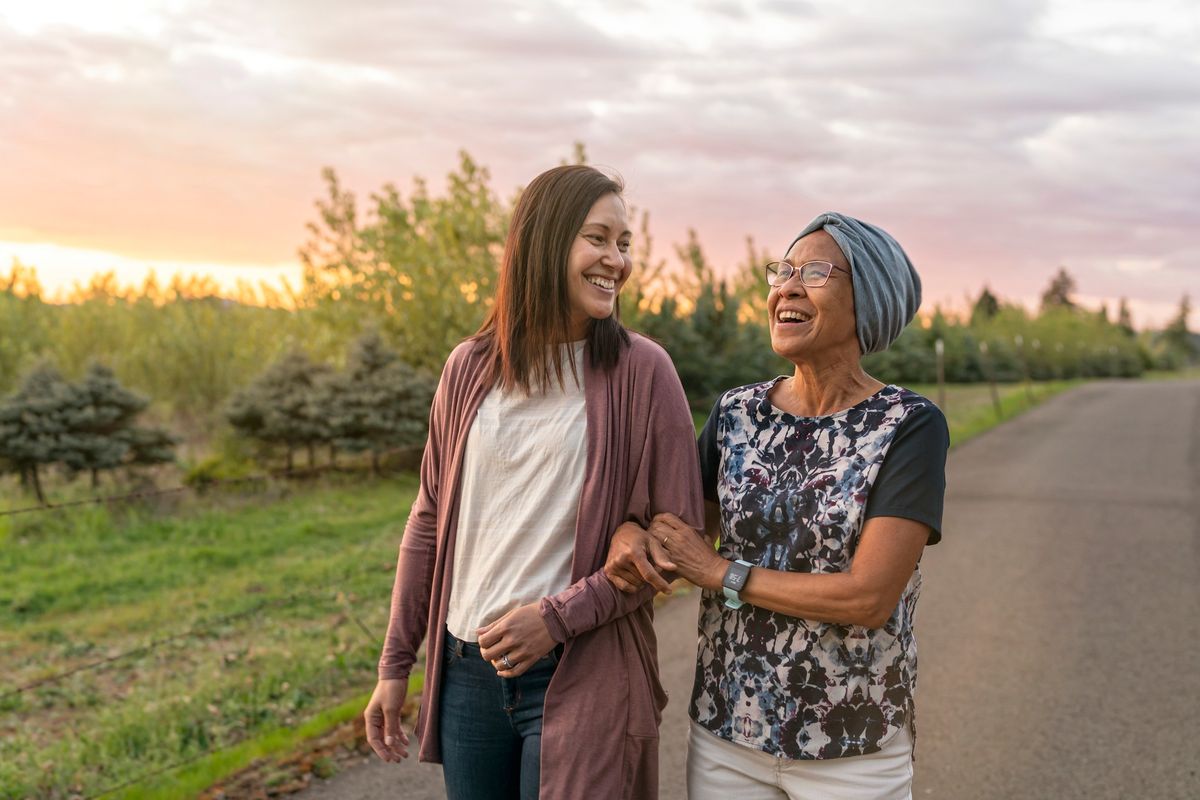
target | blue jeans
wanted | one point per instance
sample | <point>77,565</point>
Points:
<point>491,727</point>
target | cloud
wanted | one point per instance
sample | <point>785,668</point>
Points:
<point>997,140</point>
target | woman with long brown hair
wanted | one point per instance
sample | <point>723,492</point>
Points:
<point>551,427</point>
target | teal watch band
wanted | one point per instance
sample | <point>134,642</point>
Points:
<point>734,582</point>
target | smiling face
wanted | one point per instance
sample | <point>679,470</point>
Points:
<point>809,323</point>
<point>598,263</point>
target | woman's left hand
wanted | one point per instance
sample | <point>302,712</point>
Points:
<point>692,555</point>
<point>521,635</point>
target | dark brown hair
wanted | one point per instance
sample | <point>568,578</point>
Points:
<point>531,314</point>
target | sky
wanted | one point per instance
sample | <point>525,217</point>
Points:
<point>997,141</point>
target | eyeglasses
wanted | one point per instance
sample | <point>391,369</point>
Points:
<point>813,274</point>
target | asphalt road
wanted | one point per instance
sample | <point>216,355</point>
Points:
<point>1059,625</point>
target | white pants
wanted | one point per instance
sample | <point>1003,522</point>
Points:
<point>721,770</point>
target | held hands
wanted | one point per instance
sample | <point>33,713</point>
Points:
<point>520,636</point>
<point>384,732</point>
<point>691,555</point>
<point>635,559</point>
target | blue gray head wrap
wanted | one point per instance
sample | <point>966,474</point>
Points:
<point>887,290</point>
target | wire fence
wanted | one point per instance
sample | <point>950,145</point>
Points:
<point>198,488</point>
<point>178,765</point>
<point>333,589</point>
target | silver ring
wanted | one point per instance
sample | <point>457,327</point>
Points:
<point>504,660</point>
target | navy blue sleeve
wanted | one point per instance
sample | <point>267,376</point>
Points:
<point>710,453</point>
<point>912,480</point>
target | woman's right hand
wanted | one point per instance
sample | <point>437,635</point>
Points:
<point>384,732</point>
<point>635,559</point>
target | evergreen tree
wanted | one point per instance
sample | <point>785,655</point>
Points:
<point>378,403</point>
<point>148,446</point>
<point>33,424</point>
<point>1176,336</point>
<point>1059,293</point>
<point>281,407</point>
<point>1124,319</point>
<point>986,307</point>
<point>97,415</point>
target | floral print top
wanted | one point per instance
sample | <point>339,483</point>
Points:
<point>794,494</point>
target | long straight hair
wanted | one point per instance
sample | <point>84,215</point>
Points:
<point>530,318</point>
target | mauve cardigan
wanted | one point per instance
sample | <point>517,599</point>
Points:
<point>604,703</point>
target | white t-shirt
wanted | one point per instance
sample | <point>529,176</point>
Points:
<point>522,476</point>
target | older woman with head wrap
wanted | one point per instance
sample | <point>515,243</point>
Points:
<point>823,488</point>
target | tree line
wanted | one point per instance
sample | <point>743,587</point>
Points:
<point>417,270</point>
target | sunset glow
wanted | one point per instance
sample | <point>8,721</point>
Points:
<point>997,141</point>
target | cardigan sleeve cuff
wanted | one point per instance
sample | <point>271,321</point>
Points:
<point>553,621</point>
<point>588,604</point>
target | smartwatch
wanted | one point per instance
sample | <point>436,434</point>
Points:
<point>734,582</point>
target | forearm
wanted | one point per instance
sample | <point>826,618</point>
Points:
<point>589,603</point>
<point>840,597</point>
<point>865,594</point>
<point>409,615</point>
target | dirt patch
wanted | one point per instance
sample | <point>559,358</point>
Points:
<point>322,757</point>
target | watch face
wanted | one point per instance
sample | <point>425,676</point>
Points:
<point>735,578</point>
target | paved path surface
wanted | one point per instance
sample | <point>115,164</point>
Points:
<point>675,621</point>
<point>1059,625</point>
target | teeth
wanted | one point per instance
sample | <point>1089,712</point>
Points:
<point>603,283</point>
<point>794,316</point>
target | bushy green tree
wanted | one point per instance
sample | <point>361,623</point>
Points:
<point>910,359</point>
<point>101,431</point>
<point>282,406</point>
<point>986,307</point>
<point>98,409</point>
<point>715,342</point>
<point>378,402</point>
<point>1060,292</point>
<point>33,424</point>
<point>1176,336</point>
<point>25,324</point>
<point>1124,318</point>
<point>421,268</point>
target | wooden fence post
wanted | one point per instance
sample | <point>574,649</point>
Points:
<point>991,377</point>
<point>939,347</point>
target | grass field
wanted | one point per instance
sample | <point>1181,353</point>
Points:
<point>970,411</point>
<point>277,602</point>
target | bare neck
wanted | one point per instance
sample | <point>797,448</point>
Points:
<point>818,389</point>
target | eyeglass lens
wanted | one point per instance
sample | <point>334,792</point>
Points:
<point>813,274</point>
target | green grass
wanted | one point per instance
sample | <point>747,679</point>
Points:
<point>301,573</point>
<point>970,410</point>
<point>1185,374</point>
<point>268,593</point>
<point>189,781</point>
<point>193,779</point>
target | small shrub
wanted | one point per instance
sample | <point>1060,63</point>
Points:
<point>216,469</point>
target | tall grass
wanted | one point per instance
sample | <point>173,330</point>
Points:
<point>278,611</point>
